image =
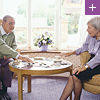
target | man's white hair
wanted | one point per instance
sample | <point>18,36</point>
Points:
<point>5,18</point>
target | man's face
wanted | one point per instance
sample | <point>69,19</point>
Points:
<point>9,25</point>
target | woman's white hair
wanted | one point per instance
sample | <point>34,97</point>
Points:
<point>95,22</point>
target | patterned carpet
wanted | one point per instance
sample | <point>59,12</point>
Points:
<point>46,88</point>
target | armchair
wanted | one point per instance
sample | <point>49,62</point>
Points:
<point>0,21</point>
<point>92,85</point>
<point>1,69</point>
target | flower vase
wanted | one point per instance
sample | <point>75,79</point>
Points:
<point>44,47</point>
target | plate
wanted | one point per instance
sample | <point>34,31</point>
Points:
<point>39,58</point>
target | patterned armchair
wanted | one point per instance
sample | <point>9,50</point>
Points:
<point>92,85</point>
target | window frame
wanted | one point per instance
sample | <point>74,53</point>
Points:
<point>29,26</point>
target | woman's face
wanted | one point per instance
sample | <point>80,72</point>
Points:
<point>91,30</point>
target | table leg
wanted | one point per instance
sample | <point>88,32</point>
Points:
<point>29,83</point>
<point>71,70</point>
<point>71,96</point>
<point>71,92</point>
<point>20,85</point>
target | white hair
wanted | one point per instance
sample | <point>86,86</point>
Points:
<point>5,18</point>
<point>95,22</point>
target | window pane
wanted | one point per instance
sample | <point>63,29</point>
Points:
<point>43,18</point>
<point>19,13</point>
<point>43,13</point>
<point>73,20</point>
<point>70,14</point>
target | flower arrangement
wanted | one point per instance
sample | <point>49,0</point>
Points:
<point>44,39</point>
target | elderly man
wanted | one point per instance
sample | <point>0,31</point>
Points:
<point>7,52</point>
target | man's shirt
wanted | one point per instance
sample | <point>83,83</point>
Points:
<point>7,44</point>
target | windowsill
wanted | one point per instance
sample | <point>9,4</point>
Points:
<point>32,51</point>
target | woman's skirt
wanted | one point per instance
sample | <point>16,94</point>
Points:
<point>88,73</point>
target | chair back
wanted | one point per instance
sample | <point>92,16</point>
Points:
<point>84,57</point>
<point>0,22</point>
<point>92,85</point>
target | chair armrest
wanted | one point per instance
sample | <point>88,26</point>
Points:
<point>84,57</point>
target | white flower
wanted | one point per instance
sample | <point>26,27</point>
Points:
<point>47,34</point>
<point>44,42</point>
<point>45,37</point>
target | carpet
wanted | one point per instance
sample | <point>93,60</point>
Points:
<point>46,88</point>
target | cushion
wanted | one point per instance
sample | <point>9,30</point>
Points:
<point>95,80</point>
<point>92,88</point>
<point>92,85</point>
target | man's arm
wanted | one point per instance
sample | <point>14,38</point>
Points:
<point>14,44</point>
<point>6,50</point>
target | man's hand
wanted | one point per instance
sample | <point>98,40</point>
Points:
<point>18,50</point>
<point>26,59</point>
<point>79,69</point>
<point>5,58</point>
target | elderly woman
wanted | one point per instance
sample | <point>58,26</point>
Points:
<point>92,67</point>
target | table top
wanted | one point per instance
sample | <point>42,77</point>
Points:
<point>41,65</point>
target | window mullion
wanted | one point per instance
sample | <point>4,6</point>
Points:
<point>29,30</point>
<point>58,26</point>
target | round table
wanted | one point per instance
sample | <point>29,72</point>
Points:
<point>36,69</point>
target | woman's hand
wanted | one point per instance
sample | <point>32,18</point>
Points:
<point>79,69</point>
<point>68,54</point>
<point>75,70</point>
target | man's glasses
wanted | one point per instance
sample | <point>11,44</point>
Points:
<point>11,23</point>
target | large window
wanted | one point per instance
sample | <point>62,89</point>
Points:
<point>35,17</point>
<point>70,15</point>
<point>43,18</point>
<point>17,9</point>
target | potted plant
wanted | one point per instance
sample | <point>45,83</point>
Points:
<point>43,41</point>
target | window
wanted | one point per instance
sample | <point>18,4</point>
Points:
<point>34,17</point>
<point>43,18</point>
<point>70,15</point>
<point>19,13</point>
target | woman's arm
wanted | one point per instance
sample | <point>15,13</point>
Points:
<point>84,46</point>
<point>95,61</point>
